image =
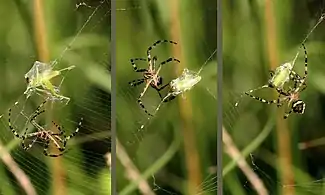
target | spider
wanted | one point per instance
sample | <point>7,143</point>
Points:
<point>282,75</point>
<point>59,139</point>
<point>291,96</point>
<point>151,74</point>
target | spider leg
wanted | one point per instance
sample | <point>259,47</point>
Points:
<point>161,88</point>
<point>304,86</point>
<point>40,106</point>
<point>286,115</point>
<point>279,102</point>
<point>282,92</point>
<point>136,82</point>
<point>29,145</point>
<point>163,63</point>
<point>170,98</point>
<point>306,62</point>
<point>294,76</point>
<point>73,134</point>
<point>154,45</point>
<point>302,82</point>
<point>76,131</point>
<point>47,144</point>
<point>250,91</point>
<point>57,136</point>
<point>167,98</point>
<point>61,149</point>
<point>262,87</point>
<point>13,130</point>
<point>135,68</point>
<point>169,60</point>
<point>143,107</point>
<point>59,128</point>
<point>33,121</point>
<point>140,97</point>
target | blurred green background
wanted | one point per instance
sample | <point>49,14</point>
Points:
<point>175,153</point>
<point>288,155</point>
<point>84,168</point>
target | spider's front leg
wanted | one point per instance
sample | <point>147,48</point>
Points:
<point>155,45</point>
<point>306,62</point>
<point>75,132</point>
<point>11,127</point>
<point>135,68</point>
<point>276,101</point>
<point>171,59</point>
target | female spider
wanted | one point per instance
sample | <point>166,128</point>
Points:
<point>282,75</point>
<point>291,96</point>
<point>151,74</point>
<point>46,136</point>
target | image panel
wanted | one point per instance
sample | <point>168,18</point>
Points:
<point>273,97</point>
<point>55,97</point>
<point>166,97</point>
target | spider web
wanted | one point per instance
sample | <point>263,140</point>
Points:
<point>156,151</point>
<point>77,35</point>
<point>252,124</point>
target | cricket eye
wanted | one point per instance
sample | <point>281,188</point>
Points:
<point>27,80</point>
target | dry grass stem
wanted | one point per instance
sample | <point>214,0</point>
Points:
<point>234,153</point>
<point>132,173</point>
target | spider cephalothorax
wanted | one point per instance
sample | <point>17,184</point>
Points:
<point>151,74</point>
